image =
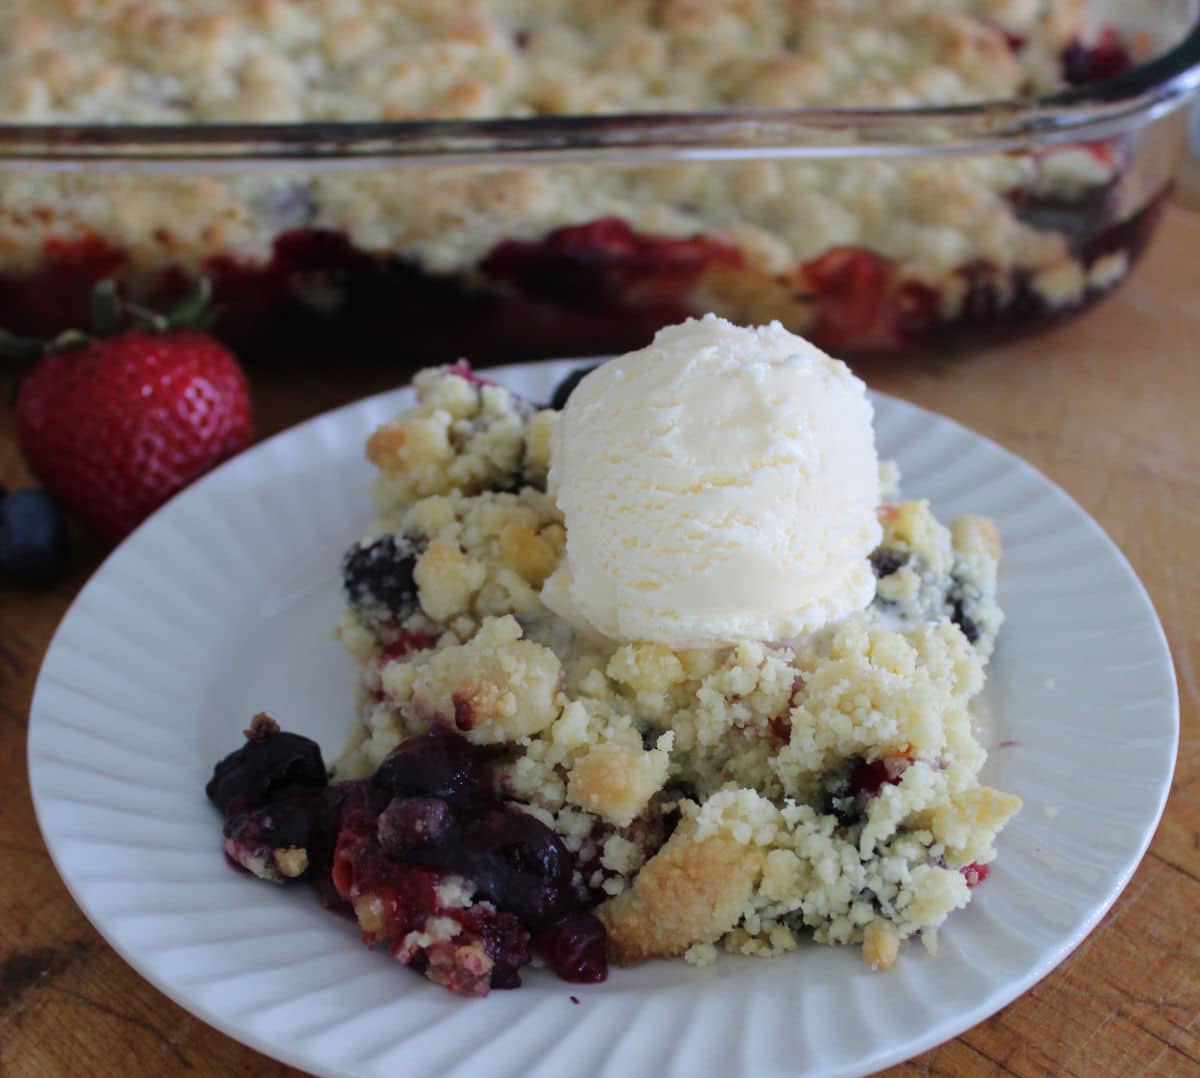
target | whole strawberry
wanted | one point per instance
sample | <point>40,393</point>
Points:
<point>115,423</point>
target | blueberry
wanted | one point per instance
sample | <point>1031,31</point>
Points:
<point>378,579</point>
<point>566,387</point>
<point>33,538</point>
<point>268,765</point>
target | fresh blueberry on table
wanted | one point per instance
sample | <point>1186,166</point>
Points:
<point>33,538</point>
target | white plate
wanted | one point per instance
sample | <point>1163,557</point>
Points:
<point>221,605</point>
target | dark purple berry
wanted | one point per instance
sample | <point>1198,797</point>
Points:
<point>964,621</point>
<point>1106,58</point>
<point>438,764</point>
<point>869,777</point>
<point>520,864</point>
<point>564,389</point>
<point>410,822</point>
<point>507,943</point>
<point>270,763</point>
<point>576,948</point>
<point>430,809</point>
<point>253,837</point>
<point>33,538</point>
<point>513,859</point>
<point>886,562</point>
<point>849,791</point>
<point>378,579</point>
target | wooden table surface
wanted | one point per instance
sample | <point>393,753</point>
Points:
<point>1107,407</point>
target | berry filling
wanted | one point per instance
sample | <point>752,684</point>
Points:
<point>1105,58</point>
<point>579,294</point>
<point>429,860</point>
<point>974,874</point>
<point>852,788</point>
<point>607,265</point>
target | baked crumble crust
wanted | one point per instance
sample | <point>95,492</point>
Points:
<point>159,61</point>
<point>824,786</point>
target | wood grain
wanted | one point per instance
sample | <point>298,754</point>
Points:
<point>1107,407</point>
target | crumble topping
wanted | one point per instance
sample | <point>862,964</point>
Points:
<point>163,61</point>
<point>741,797</point>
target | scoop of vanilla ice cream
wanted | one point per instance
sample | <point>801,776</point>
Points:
<point>719,485</point>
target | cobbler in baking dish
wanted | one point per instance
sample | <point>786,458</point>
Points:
<point>516,790</point>
<point>859,255</point>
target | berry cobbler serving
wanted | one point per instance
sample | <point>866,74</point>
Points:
<point>861,255</point>
<point>667,670</point>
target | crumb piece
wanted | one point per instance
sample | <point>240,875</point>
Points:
<point>976,534</point>
<point>292,861</point>
<point>617,781</point>
<point>968,822</point>
<point>495,688</point>
<point>692,891</point>
<point>262,726</point>
<point>880,945</point>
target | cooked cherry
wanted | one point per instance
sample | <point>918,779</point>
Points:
<point>1104,59</point>
<point>507,943</point>
<point>522,864</point>
<point>287,822</point>
<point>437,764</point>
<point>409,822</point>
<point>576,948</point>
<point>513,859</point>
<point>269,763</point>
<point>251,837</point>
<point>381,848</point>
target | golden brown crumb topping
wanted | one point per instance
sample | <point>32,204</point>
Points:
<point>286,60</point>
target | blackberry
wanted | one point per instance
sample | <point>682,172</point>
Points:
<point>378,580</point>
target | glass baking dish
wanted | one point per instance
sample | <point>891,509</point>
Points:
<point>868,230</point>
